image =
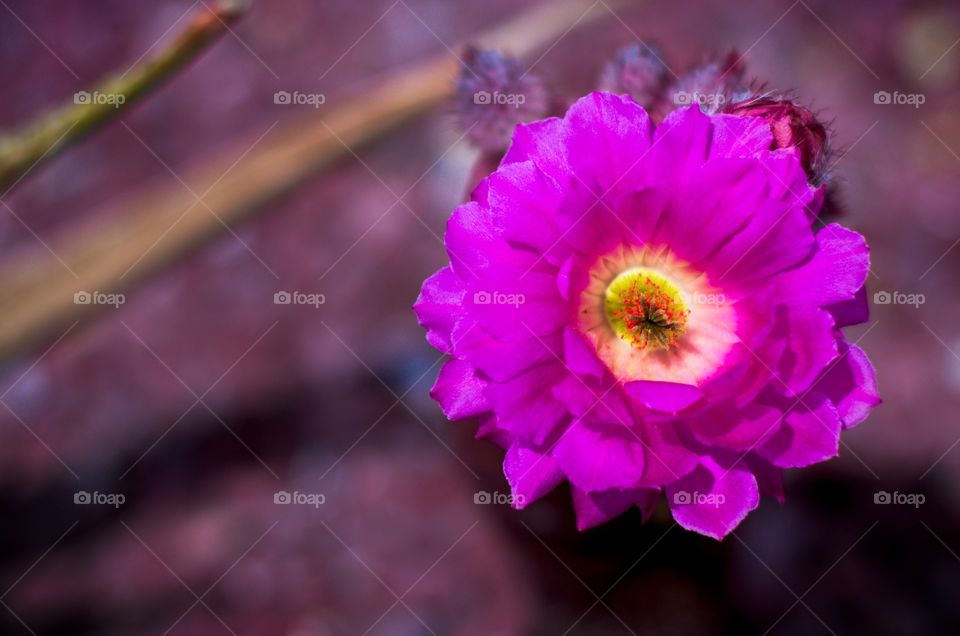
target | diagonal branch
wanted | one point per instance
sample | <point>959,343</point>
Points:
<point>49,134</point>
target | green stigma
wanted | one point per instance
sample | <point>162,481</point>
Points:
<point>646,309</point>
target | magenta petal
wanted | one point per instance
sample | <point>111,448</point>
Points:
<point>594,508</point>
<point>531,473</point>
<point>742,428</point>
<point>606,136</point>
<point>809,434</point>
<point>524,203</point>
<point>593,402</point>
<point>638,215</point>
<point>540,142</point>
<point>851,384</point>
<point>576,395</point>
<point>720,200</point>
<point>775,238</point>
<point>851,312</point>
<point>669,397</point>
<point>511,313</point>
<point>501,361</point>
<point>713,500</point>
<point>440,306</point>
<point>459,391</point>
<point>669,454</point>
<point>681,145</point>
<point>579,357</point>
<point>788,181</point>
<point>472,239</point>
<point>489,429</point>
<point>600,457</point>
<point>812,347</point>
<point>588,221</point>
<point>735,136</point>
<point>837,270</point>
<point>525,405</point>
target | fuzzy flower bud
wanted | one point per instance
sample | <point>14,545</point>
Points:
<point>639,71</point>
<point>494,93</point>
<point>792,126</point>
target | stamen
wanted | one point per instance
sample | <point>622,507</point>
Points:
<point>646,309</point>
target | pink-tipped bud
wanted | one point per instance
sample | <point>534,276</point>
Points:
<point>494,93</point>
<point>639,71</point>
<point>792,126</point>
<point>712,85</point>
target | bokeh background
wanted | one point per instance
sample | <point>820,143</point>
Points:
<point>199,398</point>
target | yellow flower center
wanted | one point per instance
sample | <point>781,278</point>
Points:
<point>646,309</point>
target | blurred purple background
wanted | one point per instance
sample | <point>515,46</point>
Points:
<point>199,398</point>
